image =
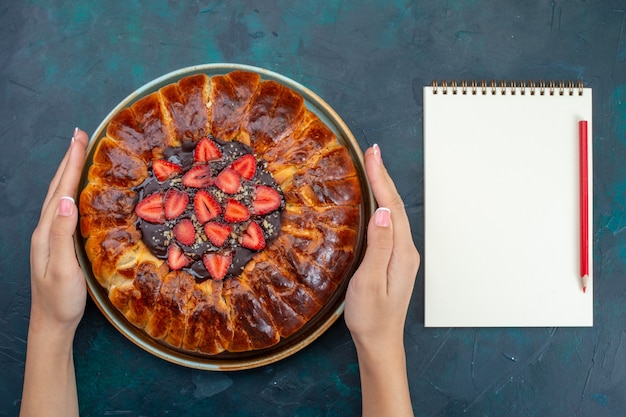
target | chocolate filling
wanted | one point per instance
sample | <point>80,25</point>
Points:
<point>159,237</point>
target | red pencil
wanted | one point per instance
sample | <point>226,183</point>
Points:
<point>584,204</point>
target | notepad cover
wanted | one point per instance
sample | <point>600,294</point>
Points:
<point>502,209</point>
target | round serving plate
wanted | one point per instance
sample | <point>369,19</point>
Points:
<point>228,361</point>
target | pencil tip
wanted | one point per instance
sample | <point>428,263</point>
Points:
<point>584,289</point>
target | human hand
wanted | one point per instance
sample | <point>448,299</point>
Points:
<point>59,290</point>
<point>378,298</point>
<point>58,295</point>
<point>379,293</point>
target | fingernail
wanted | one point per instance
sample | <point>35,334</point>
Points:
<point>66,206</point>
<point>377,155</point>
<point>74,135</point>
<point>382,217</point>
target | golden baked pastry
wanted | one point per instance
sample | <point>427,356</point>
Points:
<point>220,214</point>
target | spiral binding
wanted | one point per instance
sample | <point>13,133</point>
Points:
<point>512,87</point>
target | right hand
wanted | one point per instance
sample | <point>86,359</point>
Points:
<point>379,293</point>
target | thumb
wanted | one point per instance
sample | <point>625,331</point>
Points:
<point>379,247</point>
<point>62,231</point>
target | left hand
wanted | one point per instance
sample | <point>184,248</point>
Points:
<point>59,290</point>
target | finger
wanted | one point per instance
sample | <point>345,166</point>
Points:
<point>379,250</point>
<point>55,181</point>
<point>61,237</point>
<point>39,251</point>
<point>382,185</point>
<point>67,182</point>
<point>40,236</point>
<point>386,194</point>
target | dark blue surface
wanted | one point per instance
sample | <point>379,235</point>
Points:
<point>66,63</point>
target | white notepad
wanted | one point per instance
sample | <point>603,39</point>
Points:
<point>502,206</point>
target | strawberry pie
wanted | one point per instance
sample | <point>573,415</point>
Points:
<point>220,214</point>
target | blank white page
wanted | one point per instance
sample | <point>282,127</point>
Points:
<point>502,209</point>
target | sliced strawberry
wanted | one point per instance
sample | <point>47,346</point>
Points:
<point>245,166</point>
<point>266,200</point>
<point>185,232</point>
<point>164,170</point>
<point>217,264</point>
<point>176,258</point>
<point>206,150</point>
<point>151,208</point>
<point>228,181</point>
<point>217,232</point>
<point>175,203</point>
<point>235,211</point>
<point>205,206</point>
<point>199,176</point>
<point>253,237</point>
